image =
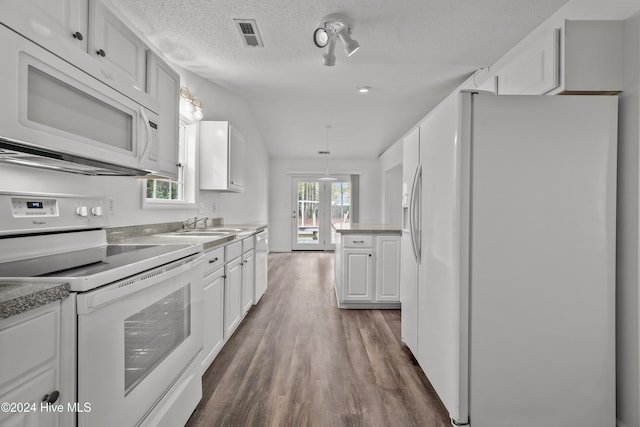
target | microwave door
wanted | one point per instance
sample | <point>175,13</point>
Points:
<point>54,106</point>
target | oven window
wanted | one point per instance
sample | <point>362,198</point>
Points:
<point>58,105</point>
<point>153,333</point>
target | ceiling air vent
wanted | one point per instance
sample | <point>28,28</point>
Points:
<point>249,32</point>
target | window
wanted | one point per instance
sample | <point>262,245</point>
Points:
<point>166,193</point>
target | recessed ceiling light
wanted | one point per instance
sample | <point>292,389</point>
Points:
<point>363,89</point>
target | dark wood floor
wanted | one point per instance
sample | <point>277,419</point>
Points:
<point>298,360</point>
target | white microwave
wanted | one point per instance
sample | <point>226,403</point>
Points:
<point>55,115</point>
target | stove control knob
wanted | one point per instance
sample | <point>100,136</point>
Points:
<point>96,211</point>
<point>82,211</point>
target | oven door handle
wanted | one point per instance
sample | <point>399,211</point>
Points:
<point>91,301</point>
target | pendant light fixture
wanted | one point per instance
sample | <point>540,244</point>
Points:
<point>326,176</point>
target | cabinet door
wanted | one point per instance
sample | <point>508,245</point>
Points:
<point>535,71</point>
<point>47,22</point>
<point>163,84</point>
<point>232,297</point>
<point>213,330</point>
<point>117,45</point>
<point>358,275</point>
<point>248,280</point>
<point>388,268</point>
<point>31,393</point>
<point>236,160</point>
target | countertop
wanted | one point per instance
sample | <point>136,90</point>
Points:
<point>16,297</point>
<point>140,235</point>
<point>367,228</point>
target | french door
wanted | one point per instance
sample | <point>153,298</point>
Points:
<point>316,205</point>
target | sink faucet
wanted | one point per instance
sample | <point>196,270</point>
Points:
<point>193,221</point>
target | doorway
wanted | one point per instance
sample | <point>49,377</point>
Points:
<point>317,204</point>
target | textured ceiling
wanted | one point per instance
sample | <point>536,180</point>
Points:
<point>413,53</point>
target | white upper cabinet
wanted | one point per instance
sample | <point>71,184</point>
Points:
<point>49,22</point>
<point>582,57</point>
<point>88,35</point>
<point>163,84</point>
<point>111,41</point>
<point>536,69</point>
<point>221,157</point>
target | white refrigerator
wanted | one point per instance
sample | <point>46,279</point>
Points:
<point>515,296</point>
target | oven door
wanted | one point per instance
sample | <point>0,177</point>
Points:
<point>49,104</point>
<point>135,339</point>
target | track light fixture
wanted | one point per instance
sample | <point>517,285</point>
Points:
<point>332,27</point>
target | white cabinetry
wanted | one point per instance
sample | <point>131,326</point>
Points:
<point>581,57</point>
<point>213,331</point>
<point>248,273</point>
<point>88,35</point>
<point>30,368</point>
<point>111,41</point>
<point>358,274</point>
<point>232,288</point>
<point>221,157</point>
<point>163,84</point>
<point>388,268</point>
<point>367,271</point>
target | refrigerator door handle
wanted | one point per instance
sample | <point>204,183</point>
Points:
<point>414,213</point>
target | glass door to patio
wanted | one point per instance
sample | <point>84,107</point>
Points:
<point>316,205</point>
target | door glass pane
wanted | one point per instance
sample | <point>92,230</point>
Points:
<point>308,210</point>
<point>58,105</point>
<point>153,333</point>
<point>340,205</point>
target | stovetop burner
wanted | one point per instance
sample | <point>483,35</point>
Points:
<point>84,262</point>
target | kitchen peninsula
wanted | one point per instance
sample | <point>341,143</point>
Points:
<point>367,265</point>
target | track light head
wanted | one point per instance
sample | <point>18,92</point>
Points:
<point>350,45</point>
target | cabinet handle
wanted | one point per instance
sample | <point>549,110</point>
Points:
<point>101,53</point>
<point>369,254</point>
<point>77,35</point>
<point>211,261</point>
<point>358,241</point>
<point>51,398</point>
<point>224,277</point>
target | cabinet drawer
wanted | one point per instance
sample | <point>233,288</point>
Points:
<point>247,244</point>
<point>357,241</point>
<point>214,259</point>
<point>233,250</point>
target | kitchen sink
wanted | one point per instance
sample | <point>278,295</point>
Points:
<point>229,230</point>
<point>199,233</point>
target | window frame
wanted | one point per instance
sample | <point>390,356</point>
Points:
<point>187,179</point>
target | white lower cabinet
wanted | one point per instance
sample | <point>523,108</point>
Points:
<point>248,279</point>
<point>30,368</point>
<point>213,316</point>
<point>358,274</point>
<point>388,268</point>
<point>232,296</point>
<point>367,271</point>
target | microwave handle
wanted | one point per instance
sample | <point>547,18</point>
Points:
<point>147,144</point>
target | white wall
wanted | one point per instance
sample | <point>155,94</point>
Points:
<point>280,190</point>
<point>628,357</point>
<point>391,172</point>
<point>219,104</point>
